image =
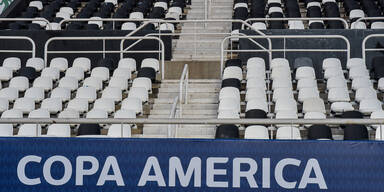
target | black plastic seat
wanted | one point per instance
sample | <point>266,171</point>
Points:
<point>233,62</point>
<point>92,27</point>
<point>74,26</point>
<point>34,27</point>
<point>378,67</point>
<point>227,132</point>
<point>147,72</point>
<point>319,132</point>
<point>89,129</point>
<point>29,72</point>
<point>355,132</point>
<point>255,114</point>
<point>231,82</point>
<point>352,115</point>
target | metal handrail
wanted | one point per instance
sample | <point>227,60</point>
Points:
<point>28,19</point>
<point>33,51</point>
<point>369,18</point>
<point>172,129</point>
<point>301,19</point>
<point>46,51</point>
<point>195,121</point>
<point>348,49</point>
<point>364,44</point>
<point>184,80</point>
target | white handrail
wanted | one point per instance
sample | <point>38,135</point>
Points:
<point>347,50</point>
<point>364,44</point>
<point>184,80</point>
<point>28,19</point>
<point>172,129</point>
<point>301,19</point>
<point>369,18</point>
<point>33,51</point>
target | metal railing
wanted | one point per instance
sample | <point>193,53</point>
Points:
<point>172,129</point>
<point>46,47</point>
<point>183,88</point>
<point>369,18</point>
<point>32,51</point>
<point>28,19</point>
<point>301,19</point>
<point>347,50</point>
<point>364,44</point>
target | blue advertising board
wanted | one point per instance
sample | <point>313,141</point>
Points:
<point>79,164</point>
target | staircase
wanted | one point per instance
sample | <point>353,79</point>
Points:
<point>202,103</point>
<point>203,47</point>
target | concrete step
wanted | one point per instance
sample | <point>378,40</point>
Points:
<point>199,36</point>
<point>192,99</point>
<point>191,89</point>
<point>199,44</point>
<point>191,86</point>
<point>189,116</point>
<point>198,52</point>
<point>187,106</point>
<point>182,131</point>
<point>186,113</point>
<point>192,57</point>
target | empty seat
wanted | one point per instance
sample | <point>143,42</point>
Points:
<point>43,82</point>
<point>119,130</point>
<point>339,107</point>
<point>69,113</point>
<point>6,130</point>
<point>101,73</point>
<point>51,72</point>
<point>134,104</point>
<point>367,106</point>
<point>128,26</point>
<point>9,93</point>
<point>4,104</point>
<point>279,62</point>
<point>152,63</point>
<point>233,72</point>
<point>255,114</point>
<point>229,104</point>
<point>53,105</point>
<point>319,132</point>
<point>229,92</point>
<point>305,73</point>
<point>82,62</point>
<point>143,82</point>
<point>257,104</point>
<point>5,74</point>
<point>365,93</point>
<point>338,95</point>
<point>78,104</point>
<point>307,93</point>
<point>94,82</point>
<point>355,132</point>
<point>119,82</point>
<point>286,104</point>
<point>69,83</point>
<point>228,114</point>
<point>115,95</point>
<point>36,63</point>
<point>333,72</point>
<point>75,72</point>
<point>105,104</point>
<point>313,105</point>
<point>288,133</point>
<point>377,25</point>
<point>29,130</point>
<point>227,132</point>
<point>88,93</point>
<point>331,63</point>
<point>25,105</point>
<point>39,113</point>
<point>232,82</point>
<point>64,94</point>
<point>282,82</point>
<point>129,63</point>
<point>363,82</point>
<point>255,93</point>
<point>306,83</point>
<point>123,73</point>
<point>60,63</point>
<point>35,93</point>
<point>255,82</point>
<point>13,63</point>
<point>88,130</point>
<point>20,83</point>
<point>280,73</point>
<point>336,82</point>
<point>256,132</point>
<point>37,4</point>
<point>59,130</point>
<point>12,113</point>
<point>97,114</point>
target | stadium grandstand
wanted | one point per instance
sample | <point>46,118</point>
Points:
<point>191,95</point>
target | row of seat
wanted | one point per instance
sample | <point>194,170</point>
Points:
<point>91,91</point>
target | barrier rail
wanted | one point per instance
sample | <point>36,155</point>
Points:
<point>183,85</point>
<point>46,51</point>
<point>32,51</point>
<point>172,129</point>
<point>364,44</point>
<point>28,19</point>
<point>301,19</point>
<point>369,18</point>
<point>347,50</point>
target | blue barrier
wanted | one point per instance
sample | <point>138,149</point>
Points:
<point>71,164</point>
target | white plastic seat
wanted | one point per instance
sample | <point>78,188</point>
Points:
<point>105,104</point>
<point>282,82</point>
<point>229,92</point>
<point>13,63</point>
<point>68,10</point>
<point>59,130</point>
<point>336,82</point>
<point>64,15</point>
<point>97,21</point>
<point>118,82</point>
<point>115,130</point>
<point>129,63</point>
<point>358,72</point>
<point>338,95</point>
<point>358,25</point>
<point>29,130</point>
<point>281,72</point>
<point>380,84</point>
<point>256,132</point>
<point>331,63</point>
<point>257,104</point>
<point>113,93</point>
<point>129,26</point>
<point>136,15</point>
<point>143,82</point>
<point>237,5</point>
<point>256,63</point>
<point>288,133</point>
<point>255,93</point>
<point>139,92</point>
<point>296,25</point>
<point>9,93</point>
<point>5,74</point>
<point>282,93</point>
<point>367,106</point>
<point>305,73</point>
<point>377,25</point>
<point>314,115</point>
<point>314,4</point>
<point>255,73</point>
<point>279,62</point>
<point>43,82</point>
<point>25,105</point>
<point>177,10</point>
<point>379,134</point>
<point>94,82</point>
<point>125,114</point>
<point>134,104</point>
<point>37,4</point>
<point>306,83</point>
<point>356,13</point>
<point>275,10</point>
<point>51,72</point>
<point>167,27</point>
<point>229,104</point>
<point>313,105</point>
<point>82,62</point>
<point>12,114</point>
<point>20,83</point>
<point>97,114</point>
<point>39,113</point>
<point>88,93</point>
<point>53,26</point>
<point>228,114</point>
<point>173,15</point>
<point>256,82</point>
<point>35,93</point>
<point>259,25</point>
<point>339,107</point>
<point>40,22</point>
<point>285,104</point>
<point>114,2</point>
<point>286,115</point>
<point>64,94</point>
<point>37,63</point>
<point>6,130</point>
<point>353,62</point>
<point>4,104</point>
<point>377,115</point>
<point>152,63</point>
<point>78,104</point>
<point>69,83</point>
<point>69,113</point>
<point>123,73</point>
<point>307,93</point>
<point>53,105</point>
<point>333,72</point>
<point>362,82</point>
<point>100,72</point>
<point>75,72</point>
<point>365,93</point>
